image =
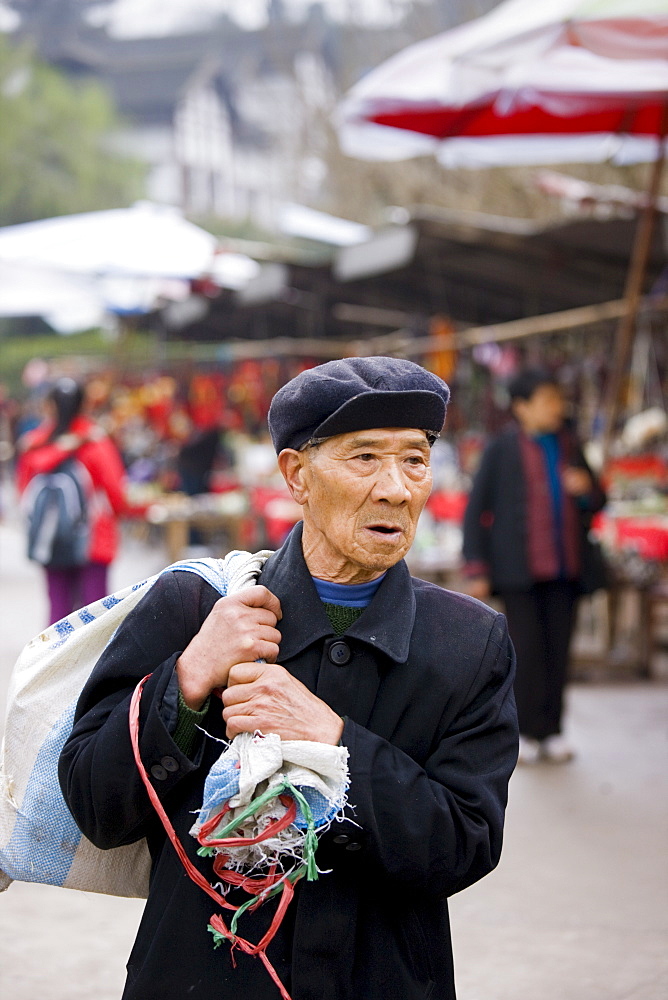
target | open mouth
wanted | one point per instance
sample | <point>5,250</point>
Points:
<point>384,529</point>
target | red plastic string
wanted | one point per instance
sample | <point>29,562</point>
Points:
<point>212,823</point>
<point>219,925</point>
<point>254,885</point>
<point>216,921</point>
<point>273,828</point>
<point>283,903</point>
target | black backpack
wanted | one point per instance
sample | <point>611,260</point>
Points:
<point>56,504</point>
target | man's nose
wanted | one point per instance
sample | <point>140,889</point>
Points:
<point>391,485</point>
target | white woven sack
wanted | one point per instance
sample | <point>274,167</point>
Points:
<point>39,840</point>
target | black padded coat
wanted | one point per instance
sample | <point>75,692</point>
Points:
<point>431,729</point>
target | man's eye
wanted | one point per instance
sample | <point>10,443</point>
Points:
<point>366,457</point>
<point>415,460</point>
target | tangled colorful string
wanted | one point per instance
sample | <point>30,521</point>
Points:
<point>260,888</point>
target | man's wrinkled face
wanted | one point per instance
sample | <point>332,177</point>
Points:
<point>362,495</point>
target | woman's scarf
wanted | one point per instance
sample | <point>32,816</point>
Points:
<point>546,561</point>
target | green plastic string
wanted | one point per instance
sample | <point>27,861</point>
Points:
<point>292,877</point>
<point>253,806</point>
<point>310,840</point>
<point>219,938</point>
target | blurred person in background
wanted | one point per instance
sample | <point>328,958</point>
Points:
<point>194,463</point>
<point>196,459</point>
<point>29,416</point>
<point>524,540</point>
<point>67,433</point>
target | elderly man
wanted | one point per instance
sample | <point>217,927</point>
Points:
<point>415,681</point>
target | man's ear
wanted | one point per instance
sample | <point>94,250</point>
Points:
<point>292,466</point>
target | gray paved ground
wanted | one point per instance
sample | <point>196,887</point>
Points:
<point>577,910</point>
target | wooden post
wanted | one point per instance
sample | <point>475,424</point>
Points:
<point>634,287</point>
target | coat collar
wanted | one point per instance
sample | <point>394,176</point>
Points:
<point>386,624</point>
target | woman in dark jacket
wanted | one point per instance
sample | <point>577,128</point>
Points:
<point>524,537</point>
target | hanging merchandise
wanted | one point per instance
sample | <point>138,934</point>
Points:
<point>206,399</point>
<point>443,361</point>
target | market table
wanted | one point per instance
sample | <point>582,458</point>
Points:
<point>248,518</point>
<point>177,513</point>
<point>636,545</point>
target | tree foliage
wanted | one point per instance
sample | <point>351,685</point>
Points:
<point>54,152</point>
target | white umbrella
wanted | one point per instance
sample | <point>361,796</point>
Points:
<point>533,81</point>
<point>32,291</point>
<point>146,240</point>
<point>73,269</point>
<point>68,302</point>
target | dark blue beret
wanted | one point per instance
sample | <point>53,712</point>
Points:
<point>356,394</point>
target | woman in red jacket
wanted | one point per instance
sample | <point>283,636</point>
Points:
<point>67,433</point>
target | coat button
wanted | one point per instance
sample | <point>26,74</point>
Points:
<point>169,764</point>
<point>341,839</point>
<point>339,653</point>
<point>158,772</point>
<point>354,846</point>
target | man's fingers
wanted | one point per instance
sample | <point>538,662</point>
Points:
<point>259,597</point>
<point>267,697</point>
<point>260,644</point>
<point>239,724</point>
<point>245,673</point>
<point>244,613</point>
<point>240,692</point>
<point>240,629</point>
<point>265,650</point>
<point>236,700</point>
<point>234,695</point>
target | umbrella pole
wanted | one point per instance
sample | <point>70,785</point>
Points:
<point>634,286</point>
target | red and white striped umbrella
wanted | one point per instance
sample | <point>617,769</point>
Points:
<point>534,81</point>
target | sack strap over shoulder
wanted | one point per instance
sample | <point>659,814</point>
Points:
<point>238,570</point>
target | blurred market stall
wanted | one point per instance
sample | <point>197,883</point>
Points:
<point>74,269</point>
<point>559,81</point>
